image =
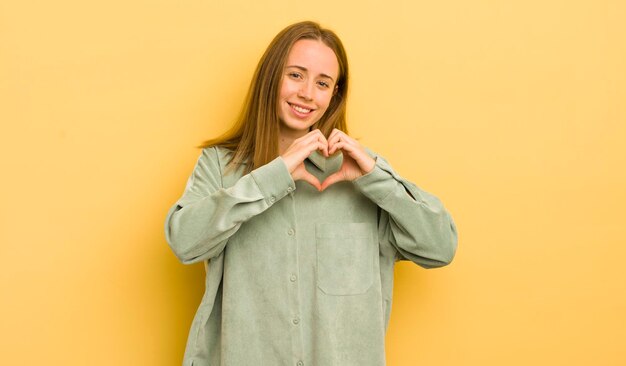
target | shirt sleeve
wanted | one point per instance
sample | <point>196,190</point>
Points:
<point>413,221</point>
<point>198,225</point>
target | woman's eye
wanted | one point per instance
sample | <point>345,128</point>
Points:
<point>295,75</point>
<point>323,84</point>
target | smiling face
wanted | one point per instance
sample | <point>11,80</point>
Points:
<point>308,83</point>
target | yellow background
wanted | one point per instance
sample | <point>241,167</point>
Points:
<point>512,112</point>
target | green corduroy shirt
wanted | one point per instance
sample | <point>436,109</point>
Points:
<point>294,276</point>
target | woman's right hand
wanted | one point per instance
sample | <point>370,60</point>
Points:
<point>299,150</point>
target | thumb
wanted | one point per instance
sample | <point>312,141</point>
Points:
<point>332,179</point>
<point>310,178</point>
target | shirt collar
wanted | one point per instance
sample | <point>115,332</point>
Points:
<point>326,164</point>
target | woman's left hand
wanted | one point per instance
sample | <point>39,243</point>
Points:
<point>356,161</point>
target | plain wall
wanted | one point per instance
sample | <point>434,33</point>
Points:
<point>512,112</point>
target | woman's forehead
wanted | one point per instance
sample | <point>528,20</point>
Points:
<point>314,56</point>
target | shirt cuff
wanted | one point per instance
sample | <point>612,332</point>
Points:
<point>377,184</point>
<point>274,180</point>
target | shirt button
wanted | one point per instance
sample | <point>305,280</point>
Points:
<point>296,321</point>
<point>290,232</point>
<point>293,278</point>
<point>289,189</point>
<point>272,199</point>
<point>300,363</point>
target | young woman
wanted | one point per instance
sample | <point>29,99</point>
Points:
<point>299,225</point>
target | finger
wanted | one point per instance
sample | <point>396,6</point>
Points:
<point>319,145</point>
<point>324,141</point>
<point>317,135</point>
<point>361,157</point>
<point>341,145</point>
<point>324,145</point>
<point>310,136</point>
<point>316,142</point>
<point>353,148</point>
<point>310,178</point>
<point>318,132</point>
<point>332,141</point>
<point>332,179</point>
<point>305,149</point>
<point>313,133</point>
<point>301,150</point>
<point>346,140</point>
<point>333,133</point>
<point>335,136</point>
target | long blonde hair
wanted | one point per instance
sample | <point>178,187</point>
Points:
<point>254,136</point>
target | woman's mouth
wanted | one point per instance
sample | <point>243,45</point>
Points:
<point>299,110</point>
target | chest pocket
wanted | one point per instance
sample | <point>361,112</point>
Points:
<point>345,258</point>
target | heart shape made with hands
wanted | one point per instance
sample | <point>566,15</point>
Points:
<point>336,168</point>
<point>348,161</point>
<point>327,166</point>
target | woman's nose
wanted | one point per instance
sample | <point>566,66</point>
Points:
<point>306,91</point>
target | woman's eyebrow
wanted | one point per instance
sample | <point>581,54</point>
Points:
<point>305,69</point>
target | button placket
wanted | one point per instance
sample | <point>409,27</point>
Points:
<point>292,273</point>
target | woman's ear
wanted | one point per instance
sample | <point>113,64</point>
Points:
<point>336,89</point>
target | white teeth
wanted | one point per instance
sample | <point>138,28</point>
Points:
<point>300,109</point>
